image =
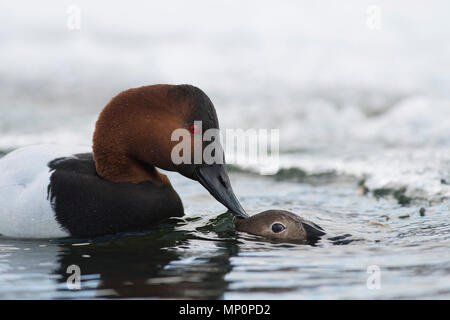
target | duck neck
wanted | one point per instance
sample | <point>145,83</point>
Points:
<point>113,159</point>
<point>119,167</point>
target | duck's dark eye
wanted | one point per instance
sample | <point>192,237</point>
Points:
<point>278,227</point>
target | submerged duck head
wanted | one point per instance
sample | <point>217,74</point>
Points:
<point>163,126</point>
<point>280,225</point>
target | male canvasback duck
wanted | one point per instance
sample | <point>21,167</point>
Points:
<point>49,191</point>
<point>280,225</point>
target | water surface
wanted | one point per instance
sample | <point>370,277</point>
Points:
<point>202,256</point>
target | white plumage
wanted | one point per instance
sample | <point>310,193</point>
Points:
<point>25,210</point>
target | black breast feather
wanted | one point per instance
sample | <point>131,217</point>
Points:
<point>87,205</point>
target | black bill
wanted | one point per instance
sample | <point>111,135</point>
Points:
<point>313,231</point>
<point>215,179</point>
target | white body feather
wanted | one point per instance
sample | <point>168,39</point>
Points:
<point>25,210</point>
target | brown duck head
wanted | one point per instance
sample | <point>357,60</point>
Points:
<point>280,225</point>
<point>134,135</point>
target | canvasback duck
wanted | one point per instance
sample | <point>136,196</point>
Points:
<point>49,191</point>
<point>280,225</point>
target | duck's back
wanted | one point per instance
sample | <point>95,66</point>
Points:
<point>24,176</point>
<point>54,191</point>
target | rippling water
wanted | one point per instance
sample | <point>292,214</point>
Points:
<point>364,119</point>
<point>202,256</point>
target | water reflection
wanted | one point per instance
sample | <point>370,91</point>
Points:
<point>154,265</point>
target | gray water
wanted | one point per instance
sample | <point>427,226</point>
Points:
<point>364,120</point>
<point>202,257</point>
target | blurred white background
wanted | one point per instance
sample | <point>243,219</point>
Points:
<point>323,72</point>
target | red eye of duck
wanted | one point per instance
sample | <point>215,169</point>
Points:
<point>193,128</point>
